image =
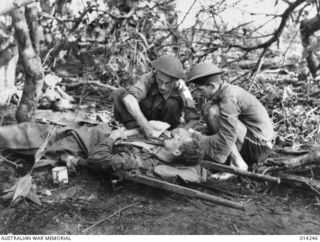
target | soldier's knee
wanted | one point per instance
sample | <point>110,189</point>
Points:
<point>173,105</point>
<point>213,120</point>
<point>212,114</point>
<point>205,108</point>
<point>214,110</point>
<point>117,94</point>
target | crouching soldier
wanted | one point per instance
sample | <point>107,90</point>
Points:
<point>158,95</point>
<point>238,123</point>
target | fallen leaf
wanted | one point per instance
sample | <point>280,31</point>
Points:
<point>21,189</point>
<point>32,195</point>
<point>8,195</point>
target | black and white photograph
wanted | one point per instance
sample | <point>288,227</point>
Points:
<point>159,117</point>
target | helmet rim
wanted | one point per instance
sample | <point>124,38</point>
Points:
<point>202,70</point>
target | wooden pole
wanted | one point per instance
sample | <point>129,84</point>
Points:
<point>180,190</point>
<point>218,167</point>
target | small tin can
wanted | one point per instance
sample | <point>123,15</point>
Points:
<point>60,175</point>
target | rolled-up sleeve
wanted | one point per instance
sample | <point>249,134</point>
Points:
<point>188,102</point>
<point>221,142</point>
<point>140,89</point>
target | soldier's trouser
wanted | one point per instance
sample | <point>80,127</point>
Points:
<point>255,150</point>
<point>252,150</point>
<point>169,111</point>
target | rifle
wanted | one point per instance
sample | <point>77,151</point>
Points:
<point>150,181</point>
<point>218,167</point>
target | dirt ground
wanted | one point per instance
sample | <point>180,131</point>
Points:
<point>88,198</point>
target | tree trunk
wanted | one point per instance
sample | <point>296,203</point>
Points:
<point>33,69</point>
<point>34,29</point>
<point>307,28</point>
<point>8,59</point>
<point>290,164</point>
<point>8,5</point>
<point>8,64</point>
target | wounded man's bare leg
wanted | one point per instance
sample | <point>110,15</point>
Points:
<point>236,161</point>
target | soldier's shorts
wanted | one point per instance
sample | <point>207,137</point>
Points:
<point>255,150</point>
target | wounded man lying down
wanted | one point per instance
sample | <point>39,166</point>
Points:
<point>103,150</point>
<point>181,148</point>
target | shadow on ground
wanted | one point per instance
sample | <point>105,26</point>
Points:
<point>72,208</point>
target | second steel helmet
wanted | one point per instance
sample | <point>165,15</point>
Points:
<point>170,65</point>
<point>203,69</point>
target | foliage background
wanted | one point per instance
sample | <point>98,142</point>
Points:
<point>112,42</point>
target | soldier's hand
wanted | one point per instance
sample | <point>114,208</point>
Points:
<point>71,161</point>
<point>147,130</point>
<point>150,130</point>
<point>118,134</point>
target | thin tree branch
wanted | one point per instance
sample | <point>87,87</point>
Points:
<point>277,33</point>
<point>286,51</point>
<point>176,27</point>
<point>110,216</point>
<point>257,68</point>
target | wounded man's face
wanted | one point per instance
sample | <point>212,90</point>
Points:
<point>179,136</point>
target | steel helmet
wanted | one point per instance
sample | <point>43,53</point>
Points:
<point>170,65</point>
<point>203,69</point>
